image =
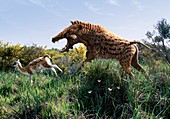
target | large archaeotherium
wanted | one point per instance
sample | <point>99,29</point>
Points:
<point>100,42</point>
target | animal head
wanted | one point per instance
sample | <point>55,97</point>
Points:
<point>71,33</point>
<point>16,64</point>
<point>76,32</point>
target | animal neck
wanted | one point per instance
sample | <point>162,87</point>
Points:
<point>84,41</point>
<point>20,68</point>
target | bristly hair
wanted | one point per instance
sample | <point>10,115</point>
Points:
<point>86,25</point>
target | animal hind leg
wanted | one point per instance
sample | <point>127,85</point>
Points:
<point>135,63</point>
<point>128,71</point>
<point>126,65</point>
<point>137,66</point>
<point>54,71</point>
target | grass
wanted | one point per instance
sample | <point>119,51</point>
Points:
<point>99,90</point>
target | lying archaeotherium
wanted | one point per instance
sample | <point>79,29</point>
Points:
<point>100,42</point>
<point>36,65</point>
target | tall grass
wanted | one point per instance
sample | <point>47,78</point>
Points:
<point>46,97</point>
<point>99,90</point>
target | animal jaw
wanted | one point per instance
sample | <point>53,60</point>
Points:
<point>72,38</point>
<point>70,42</point>
<point>100,42</point>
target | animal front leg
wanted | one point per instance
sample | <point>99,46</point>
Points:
<point>55,72</point>
<point>55,66</point>
<point>30,77</point>
<point>89,56</point>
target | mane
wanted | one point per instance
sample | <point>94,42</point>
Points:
<point>92,27</point>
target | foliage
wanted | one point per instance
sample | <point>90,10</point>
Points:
<point>99,90</point>
<point>31,52</point>
<point>71,62</point>
<point>10,53</point>
<point>46,98</point>
<point>103,94</point>
<point>160,39</point>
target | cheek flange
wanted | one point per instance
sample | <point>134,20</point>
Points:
<point>73,36</point>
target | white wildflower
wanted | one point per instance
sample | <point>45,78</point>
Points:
<point>90,91</point>
<point>110,89</point>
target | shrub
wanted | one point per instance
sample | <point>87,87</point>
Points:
<point>10,53</point>
<point>71,61</point>
<point>104,94</point>
<point>31,52</point>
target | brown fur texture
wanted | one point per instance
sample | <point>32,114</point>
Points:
<point>100,42</point>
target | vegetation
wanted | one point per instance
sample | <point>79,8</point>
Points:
<point>160,39</point>
<point>10,53</point>
<point>97,89</point>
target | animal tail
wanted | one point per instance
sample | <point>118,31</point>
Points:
<point>137,42</point>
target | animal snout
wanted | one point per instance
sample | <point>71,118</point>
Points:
<point>14,64</point>
<point>53,40</point>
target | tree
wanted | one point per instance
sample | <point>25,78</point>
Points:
<point>160,39</point>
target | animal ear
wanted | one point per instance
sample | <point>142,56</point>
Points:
<point>72,22</point>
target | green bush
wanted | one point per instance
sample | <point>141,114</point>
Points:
<point>97,89</point>
<point>104,94</point>
<point>71,61</point>
<point>31,52</point>
<point>10,53</point>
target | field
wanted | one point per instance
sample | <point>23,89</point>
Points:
<point>100,89</point>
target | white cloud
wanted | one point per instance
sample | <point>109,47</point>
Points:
<point>46,5</point>
<point>97,10</point>
<point>93,8</point>
<point>37,2</point>
<point>50,6</point>
<point>138,5</point>
<point>113,2</point>
<point>24,2</point>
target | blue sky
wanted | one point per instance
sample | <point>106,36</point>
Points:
<point>37,21</point>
